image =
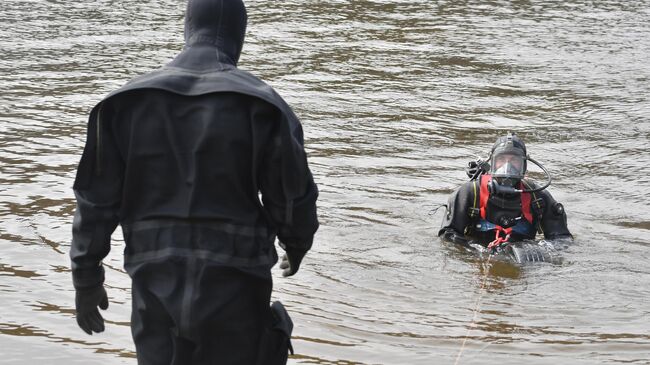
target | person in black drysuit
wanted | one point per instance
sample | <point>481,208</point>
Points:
<point>492,206</point>
<point>179,157</point>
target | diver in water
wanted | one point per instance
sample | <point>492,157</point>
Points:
<point>499,206</point>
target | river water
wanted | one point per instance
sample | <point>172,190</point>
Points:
<point>395,98</point>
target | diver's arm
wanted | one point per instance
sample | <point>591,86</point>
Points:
<point>97,188</point>
<point>295,230</point>
<point>456,217</point>
<point>554,219</point>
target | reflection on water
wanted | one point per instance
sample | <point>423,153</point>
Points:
<point>395,99</point>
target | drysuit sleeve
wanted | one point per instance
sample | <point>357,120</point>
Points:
<point>97,188</point>
<point>295,219</point>
<point>554,219</point>
<point>456,217</point>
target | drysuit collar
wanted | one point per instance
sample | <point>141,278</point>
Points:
<point>214,35</point>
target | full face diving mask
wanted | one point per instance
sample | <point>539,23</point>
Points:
<point>508,164</point>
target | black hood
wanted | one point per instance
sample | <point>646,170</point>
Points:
<point>510,142</point>
<point>214,35</point>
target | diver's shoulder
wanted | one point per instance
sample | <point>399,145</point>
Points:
<point>465,192</point>
<point>250,77</point>
<point>469,186</point>
<point>531,184</point>
<point>544,194</point>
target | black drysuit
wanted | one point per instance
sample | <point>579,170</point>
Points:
<point>179,158</point>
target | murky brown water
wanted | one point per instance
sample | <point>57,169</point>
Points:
<point>395,98</point>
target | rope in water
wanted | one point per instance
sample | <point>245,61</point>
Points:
<point>477,307</point>
<point>498,241</point>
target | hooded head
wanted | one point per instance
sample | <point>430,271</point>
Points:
<point>508,164</point>
<point>214,34</point>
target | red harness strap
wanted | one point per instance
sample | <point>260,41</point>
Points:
<point>485,194</point>
<point>525,205</point>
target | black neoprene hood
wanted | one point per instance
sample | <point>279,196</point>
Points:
<point>510,143</point>
<point>217,23</point>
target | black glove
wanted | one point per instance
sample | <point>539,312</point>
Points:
<point>86,303</point>
<point>291,261</point>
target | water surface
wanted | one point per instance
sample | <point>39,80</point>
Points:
<point>395,98</point>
